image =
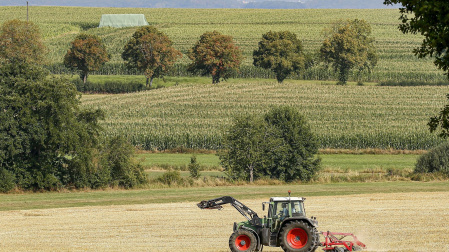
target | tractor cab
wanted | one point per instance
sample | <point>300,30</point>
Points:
<point>284,207</point>
<point>281,209</point>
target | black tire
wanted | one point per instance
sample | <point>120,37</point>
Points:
<point>299,236</point>
<point>243,240</point>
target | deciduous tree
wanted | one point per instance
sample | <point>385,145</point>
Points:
<point>215,54</point>
<point>21,42</point>
<point>87,54</point>
<point>46,137</point>
<point>150,51</point>
<point>243,156</point>
<point>279,145</point>
<point>282,52</point>
<point>349,45</point>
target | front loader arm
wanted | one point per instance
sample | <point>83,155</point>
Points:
<point>217,203</point>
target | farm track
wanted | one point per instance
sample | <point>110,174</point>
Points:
<point>385,222</point>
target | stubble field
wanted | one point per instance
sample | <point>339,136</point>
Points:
<point>385,222</point>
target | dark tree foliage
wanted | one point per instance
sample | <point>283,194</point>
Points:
<point>215,54</point>
<point>150,51</point>
<point>300,143</point>
<point>46,136</point>
<point>430,19</point>
<point>278,145</point>
<point>87,54</point>
<point>442,121</point>
<point>348,44</point>
<point>21,42</point>
<point>282,52</point>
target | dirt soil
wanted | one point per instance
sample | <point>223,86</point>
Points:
<point>384,222</point>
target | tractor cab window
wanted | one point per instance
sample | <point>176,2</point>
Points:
<point>281,209</point>
<point>297,208</point>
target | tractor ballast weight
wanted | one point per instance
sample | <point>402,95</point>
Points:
<point>286,226</point>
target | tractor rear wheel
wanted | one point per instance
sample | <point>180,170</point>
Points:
<point>298,236</point>
<point>242,240</point>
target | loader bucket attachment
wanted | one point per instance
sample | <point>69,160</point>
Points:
<point>206,205</point>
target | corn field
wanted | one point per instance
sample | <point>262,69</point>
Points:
<point>60,25</point>
<point>343,117</point>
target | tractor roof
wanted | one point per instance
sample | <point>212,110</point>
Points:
<point>287,198</point>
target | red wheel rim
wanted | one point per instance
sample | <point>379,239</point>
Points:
<point>242,242</point>
<point>297,238</point>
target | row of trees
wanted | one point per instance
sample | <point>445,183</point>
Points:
<point>348,45</point>
<point>47,140</point>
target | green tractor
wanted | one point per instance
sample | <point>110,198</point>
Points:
<point>285,226</point>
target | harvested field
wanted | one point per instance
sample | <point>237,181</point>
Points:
<point>385,222</point>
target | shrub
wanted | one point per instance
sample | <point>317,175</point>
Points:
<point>194,168</point>
<point>435,161</point>
<point>171,178</point>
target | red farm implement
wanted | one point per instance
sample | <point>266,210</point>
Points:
<point>335,242</point>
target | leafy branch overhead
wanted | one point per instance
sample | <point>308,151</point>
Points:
<point>430,19</point>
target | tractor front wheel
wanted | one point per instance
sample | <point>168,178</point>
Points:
<point>298,236</point>
<point>242,240</point>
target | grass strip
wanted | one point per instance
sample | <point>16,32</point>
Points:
<point>169,195</point>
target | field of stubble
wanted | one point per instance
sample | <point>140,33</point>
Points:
<point>384,222</point>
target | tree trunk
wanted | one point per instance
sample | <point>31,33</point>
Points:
<point>343,75</point>
<point>215,79</point>
<point>85,77</point>
<point>251,173</point>
<point>151,82</point>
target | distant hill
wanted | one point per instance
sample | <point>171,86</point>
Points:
<point>253,4</point>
